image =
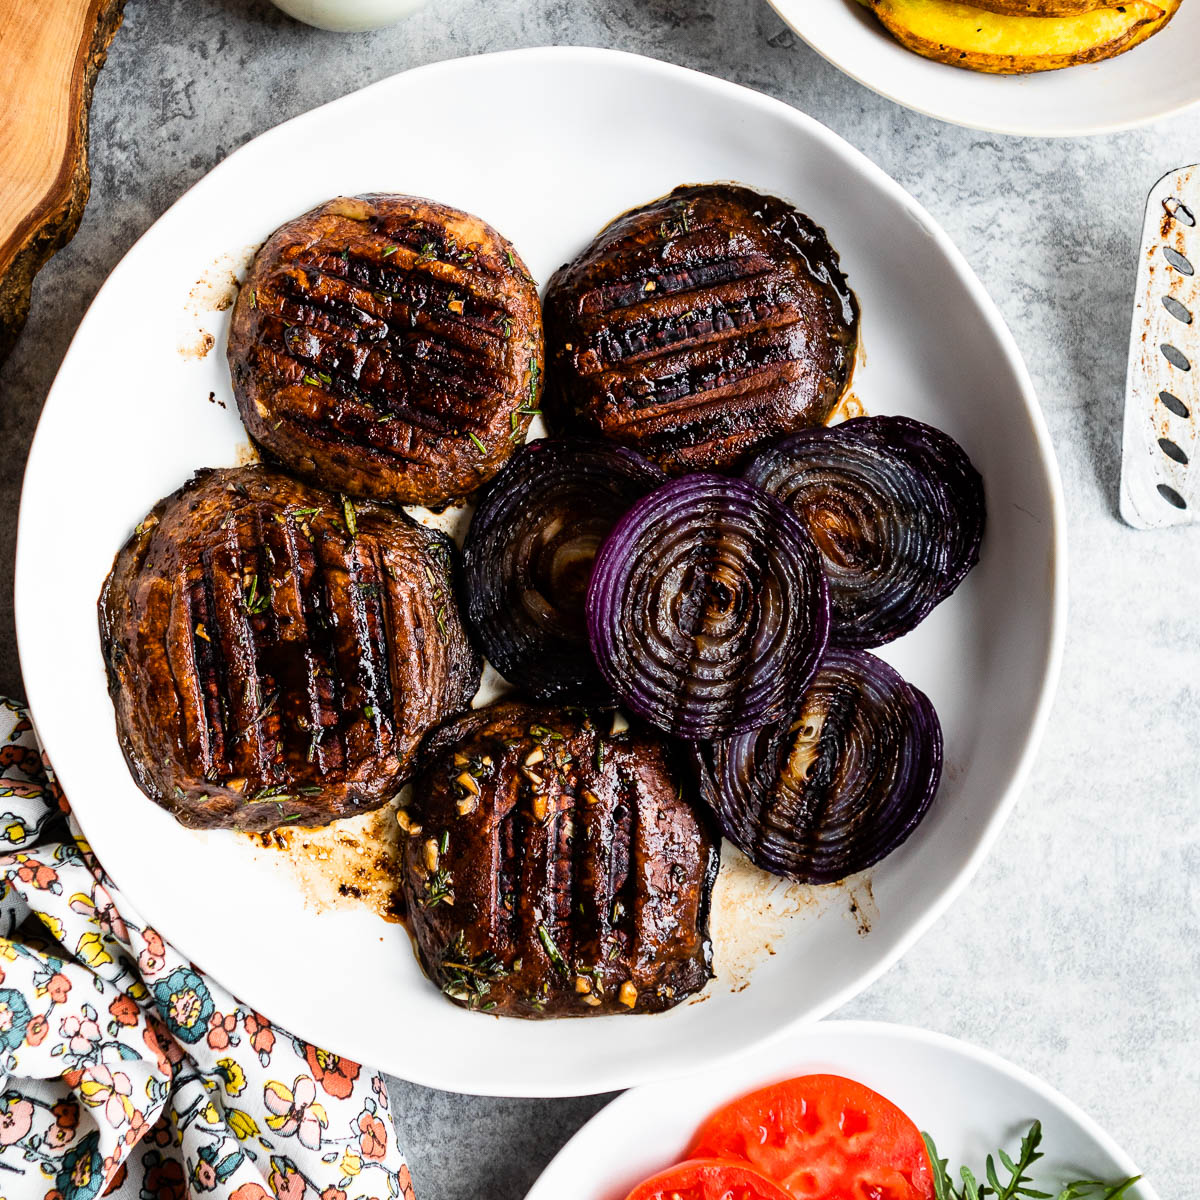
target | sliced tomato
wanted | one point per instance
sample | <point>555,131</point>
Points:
<point>822,1137</point>
<point>708,1179</point>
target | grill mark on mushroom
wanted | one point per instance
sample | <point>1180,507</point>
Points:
<point>698,326</point>
<point>388,354</point>
<point>589,911</point>
<point>265,664</point>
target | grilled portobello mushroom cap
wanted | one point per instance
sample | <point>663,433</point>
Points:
<point>275,654</point>
<point>388,347</point>
<point>699,326</point>
<point>553,868</point>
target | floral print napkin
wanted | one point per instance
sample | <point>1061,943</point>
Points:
<point>127,1072</point>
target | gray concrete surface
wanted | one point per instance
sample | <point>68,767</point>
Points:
<point>1077,950</point>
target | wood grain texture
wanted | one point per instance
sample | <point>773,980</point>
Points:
<point>52,52</point>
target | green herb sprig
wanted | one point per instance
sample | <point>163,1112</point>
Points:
<point>553,953</point>
<point>254,601</point>
<point>1019,1182</point>
<point>439,889</point>
<point>468,978</point>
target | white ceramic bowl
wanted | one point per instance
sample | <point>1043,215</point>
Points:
<point>137,407</point>
<point>348,16</point>
<point>1153,80</point>
<point>969,1100</point>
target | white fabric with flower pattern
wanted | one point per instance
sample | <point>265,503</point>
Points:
<point>126,1071</point>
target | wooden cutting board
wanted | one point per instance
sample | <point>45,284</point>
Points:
<point>51,52</point>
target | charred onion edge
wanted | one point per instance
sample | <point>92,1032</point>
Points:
<point>581,484</point>
<point>650,662</point>
<point>738,777</point>
<point>916,497</point>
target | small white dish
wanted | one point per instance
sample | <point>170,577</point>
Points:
<point>1151,81</point>
<point>969,1100</point>
<point>348,16</point>
<point>143,398</point>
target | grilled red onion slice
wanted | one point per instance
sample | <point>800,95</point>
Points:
<point>837,787</point>
<point>528,558</point>
<point>708,610</point>
<point>896,509</point>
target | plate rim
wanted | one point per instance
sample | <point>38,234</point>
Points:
<point>781,9</point>
<point>40,683</point>
<point>904,1033</point>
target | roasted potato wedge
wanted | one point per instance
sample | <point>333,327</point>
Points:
<point>964,35</point>
<point>1042,8</point>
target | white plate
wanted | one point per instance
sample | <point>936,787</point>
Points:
<point>129,418</point>
<point>969,1100</point>
<point>1153,80</point>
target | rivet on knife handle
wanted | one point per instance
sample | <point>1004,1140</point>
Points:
<point>1160,485</point>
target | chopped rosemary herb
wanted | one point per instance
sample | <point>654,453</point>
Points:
<point>672,229</point>
<point>369,712</point>
<point>390,251</point>
<point>469,978</point>
<point>553,953</point>
<point>314,741</point>
<point>479,444</point>
<point>312,381</point>
<point>439,889</point>
<point>253,602</point>
<point>271,795</point>
<point>350,515</point>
